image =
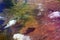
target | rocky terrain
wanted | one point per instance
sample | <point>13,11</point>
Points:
<point>46,28</point>
<point>43,28</point>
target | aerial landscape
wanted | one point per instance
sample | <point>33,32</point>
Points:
<point>29,19</point>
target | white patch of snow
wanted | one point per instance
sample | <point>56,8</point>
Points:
<point>21,37</point>
<point>54,14</point>
<point>1,17</point>
<point>10,23</point>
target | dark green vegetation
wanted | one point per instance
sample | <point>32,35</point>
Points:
<point>8,3</point>
<point>19,11</point>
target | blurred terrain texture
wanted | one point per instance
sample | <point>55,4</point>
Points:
<point>41,28</point>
